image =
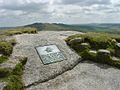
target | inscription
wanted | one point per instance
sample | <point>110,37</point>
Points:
<point>50,54</point>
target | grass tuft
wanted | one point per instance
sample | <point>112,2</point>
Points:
<point>6,48</point>
<point>15,79</point>
<point>98,41</point>
<point>3,59</point>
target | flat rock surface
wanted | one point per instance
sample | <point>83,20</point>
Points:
<point>35,71</point>
<point>85,76</point>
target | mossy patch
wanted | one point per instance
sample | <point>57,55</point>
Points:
<point>4,72</point>
<point>14,83</point>
<point>86,55</point>
<point>3,59</point>
<point>19,30</point>
<point>14,79</point>
<point>12,42</point>
<point>98,41</point>
<point>6,48</point>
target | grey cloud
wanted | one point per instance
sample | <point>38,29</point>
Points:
<point>86,2</point>
<point>23,7</point>
<point>67,11</point>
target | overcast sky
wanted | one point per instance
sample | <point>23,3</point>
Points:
<point>21,12</point>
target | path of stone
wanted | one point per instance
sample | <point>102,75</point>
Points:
<point>69,74</point>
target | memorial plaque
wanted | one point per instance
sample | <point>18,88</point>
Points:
<point>50,54</point>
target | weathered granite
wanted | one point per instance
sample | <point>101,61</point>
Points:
<point>85,76</point>
<point>35,71</point>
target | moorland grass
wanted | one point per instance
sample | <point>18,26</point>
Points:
<point>98,41</point>
<point>6,48</point>
<point>15,78</point>
<point>3,59</point>
<point>19,30</point>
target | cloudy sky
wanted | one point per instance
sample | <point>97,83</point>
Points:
<point>21,12</point>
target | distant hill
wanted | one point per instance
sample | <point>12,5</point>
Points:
<point>104,27</point>
<point>6,28</point>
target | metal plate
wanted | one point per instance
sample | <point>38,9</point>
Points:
<point>50,54</point>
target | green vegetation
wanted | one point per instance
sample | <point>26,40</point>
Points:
<point>103,47</point>
<point>4,72</point>
<point>97,40</point>
<point>49,27</point>
<point>3,59</point>
<point>6,48</point>
<point>12,42</point>
<point>19,30</point>
<point>109,28</point>
<point>87,55</point>
<point>15,77</point>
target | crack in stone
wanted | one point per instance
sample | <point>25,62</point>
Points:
<point>55,75</point>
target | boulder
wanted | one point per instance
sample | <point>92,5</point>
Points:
<point>118,45</point>
<point>103,55</point>
<point>115,59</point>
<point>84,46</point>
<point>114,41</point>
<point>92,55</point>
<point>1,55</point>
<point>104,52</point>
<point>93,51</point>
<point>76,41</point>
<point>117,50</point>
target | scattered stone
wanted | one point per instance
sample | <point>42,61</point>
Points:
<point>93,51</point>
<point>0,55</point>
<point>76,41</point>
<point>103,55</point>
<point>117,50</point>
<point>115,59</point>
<point>114,41</point>
<point>84,46</point>
<point>104,52</point>
<point>2,85</point>
<point>118,45</point>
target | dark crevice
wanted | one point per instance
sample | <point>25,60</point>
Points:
<point>56,75</point>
